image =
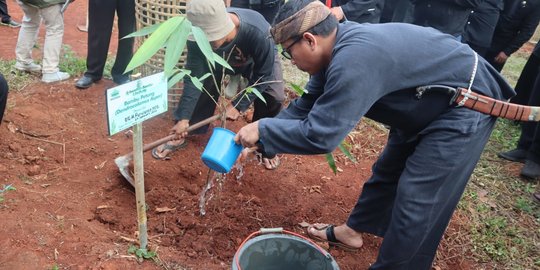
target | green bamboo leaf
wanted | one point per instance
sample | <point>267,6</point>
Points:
<point>197,83</point>
<point>299,90</point>
<point>203,44</point>
<point>222,61</point>
<point>177,77</point>
<point>345,151</point>
<point>256,92</point>
<point>203,77</point>
<point>175,46</point>
<point>154,42</point>
<point>145,31</point>
<point>331,162</point>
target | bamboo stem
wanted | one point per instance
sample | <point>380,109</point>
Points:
<point>139,184</point>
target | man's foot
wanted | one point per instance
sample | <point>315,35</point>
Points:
<point>163,151</point>
<point>536,197</point>
<point>54,77</point>
<point>85,81</point>
<point>271,163</point>
<point>11,23</point>
<point>341,236</point>
<point>516,155</point>
<point>29,67</point>
<point>530,171</point>
<point>121,80</point>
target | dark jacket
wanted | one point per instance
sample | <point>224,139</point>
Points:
<point>516,25</point>
<point>448,16</point>
<point>481,25</point>
<point>43,3</point>
<point>360,11</point>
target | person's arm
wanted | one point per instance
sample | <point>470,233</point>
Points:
<point>526,30</point>
<point>334,113</point>
<point>196,63</point>
<point>262,52</point>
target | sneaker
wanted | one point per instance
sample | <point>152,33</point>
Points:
<point>516,155</point>
<point>54,77</point>
<point>530,171</point>
<point>11,23</point>
<point>31,67</point>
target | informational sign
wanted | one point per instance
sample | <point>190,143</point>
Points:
<point>131,103</point>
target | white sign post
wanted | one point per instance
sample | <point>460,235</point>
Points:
<point>128,105</point>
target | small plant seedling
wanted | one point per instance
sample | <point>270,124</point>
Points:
<point>5,189</point>
<point>142,253</point>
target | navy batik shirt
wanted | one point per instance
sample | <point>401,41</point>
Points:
<point>372,67</point>
<point>253,55</point>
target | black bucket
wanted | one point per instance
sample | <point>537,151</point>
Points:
<point>283,250</point>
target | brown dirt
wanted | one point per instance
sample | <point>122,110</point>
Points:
<point>73,209</point>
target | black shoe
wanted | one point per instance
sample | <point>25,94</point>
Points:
<point>11,23</point>
<point>121,80</point>
<point>530,171</point>
<point>85,81</point>
<point>516,155</point>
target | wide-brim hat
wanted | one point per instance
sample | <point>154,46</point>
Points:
<point>211,16</point>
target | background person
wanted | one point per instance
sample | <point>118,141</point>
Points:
<point>100,25</point>
<point>449,16</point>
<point>267,8</point>
<point>515,26</point>
<point>432,147</point>
<point>3,96</point>
<point>360,11</point>
<point>481,25</point>
<point>4,15</point>
<point>53,19</point>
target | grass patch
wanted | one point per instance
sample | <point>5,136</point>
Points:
<point>504,219</point>
<point>70,62</point>
<point>16,80</point>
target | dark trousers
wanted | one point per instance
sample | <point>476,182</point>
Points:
<point>416,185</point>
<point>4,15</point>
<point>530,131</point>
<point>3,96</point>
<point>481,51</point>
<point>527,78</point>
<point>100,24</point>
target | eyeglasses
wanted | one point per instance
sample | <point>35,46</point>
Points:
<point>287,51</point>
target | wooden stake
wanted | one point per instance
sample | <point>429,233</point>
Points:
<point>139,184</point>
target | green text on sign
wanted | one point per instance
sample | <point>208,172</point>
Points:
<point>131,103</point>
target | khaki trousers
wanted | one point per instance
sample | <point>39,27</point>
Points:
<point>54,32</point>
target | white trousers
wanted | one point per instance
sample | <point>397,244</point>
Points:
<point>54,32</point>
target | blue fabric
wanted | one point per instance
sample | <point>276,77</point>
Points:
<point>362,72</point>
<point>416,184</point>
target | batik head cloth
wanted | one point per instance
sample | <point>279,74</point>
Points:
<point>300,22</point>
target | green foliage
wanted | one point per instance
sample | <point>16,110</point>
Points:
<point>298,89</point>
<point>5,189</point>
<point>70,62</point>
<point>141,252</point>
<point>17,80</point>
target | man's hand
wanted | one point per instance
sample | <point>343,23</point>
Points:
<point>501,58</point>
<point>232,113</point>
<point>248,135</point>
<point>180,129</point>
<point>338,12</point>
